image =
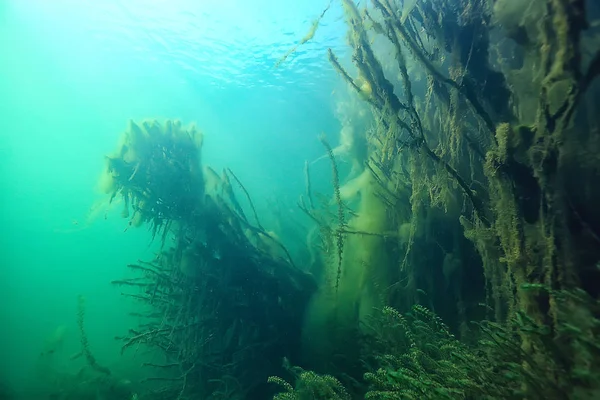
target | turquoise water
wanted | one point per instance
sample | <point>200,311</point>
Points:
<point>72,74</point>
<point>457,183</point>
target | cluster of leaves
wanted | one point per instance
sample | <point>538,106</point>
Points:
<point>523,358</point>
<point>311,386</point>
<point>414,356</point>
<point>427,361</point>
<point>549,359</point>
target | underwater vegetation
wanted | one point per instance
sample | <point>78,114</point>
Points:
<point>476,201</point>
<point>415,356</point>
<point>458,259</point>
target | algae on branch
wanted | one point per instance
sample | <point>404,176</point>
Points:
<point>490,150</point>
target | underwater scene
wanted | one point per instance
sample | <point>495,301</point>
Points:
<point>300,200</point>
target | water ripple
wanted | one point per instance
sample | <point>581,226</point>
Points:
<point>231,49</point>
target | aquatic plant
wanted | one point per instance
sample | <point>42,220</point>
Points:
<point>414,355</point>
<point>309,385</point>
<point>339,232</point>
<point>85,346</point>
<point>573,340</point>
<point>421,359</point>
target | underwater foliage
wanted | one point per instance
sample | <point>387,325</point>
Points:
<point>310,386</point>
<point>424,360</point>
<point>415,356</point>
<point>339,232</point>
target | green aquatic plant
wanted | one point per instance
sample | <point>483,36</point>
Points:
<point>421,359</point>
<point>414,355</point>
<point>573,340</point>
<point>341,224</point>
<point>85,346</point>
<point>310,386</point>
<point>417,356</point>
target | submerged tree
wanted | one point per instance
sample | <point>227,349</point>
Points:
<point>223,298</point>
